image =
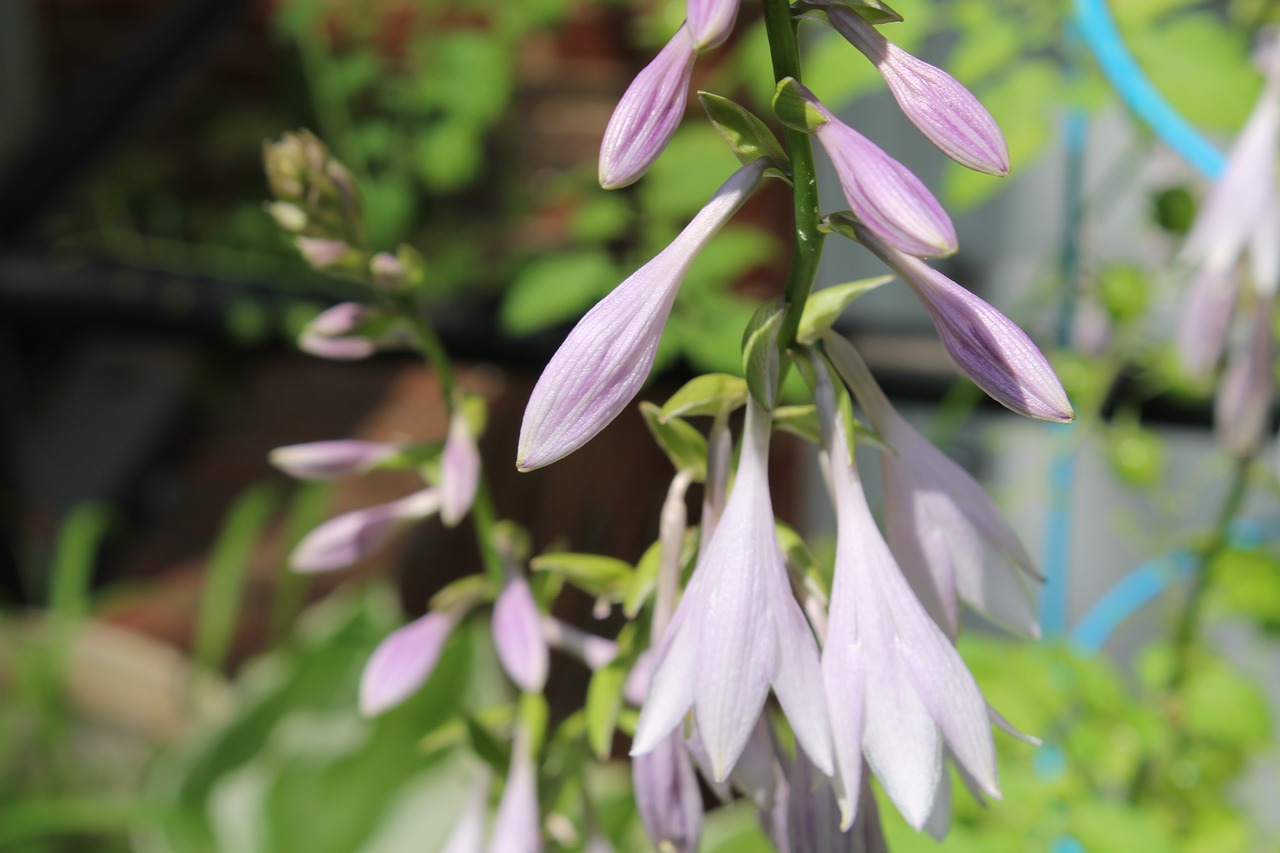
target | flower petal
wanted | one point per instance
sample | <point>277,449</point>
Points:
<point>517,634</point>
<point>327,460</point>
<point>667,796</point>
<point>349,538</point>
<point>459,470</point>
<point>710,21</point>
<point>403,662</point>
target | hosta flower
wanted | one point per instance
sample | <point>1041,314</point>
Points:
<point>945,532</point>
<point>403,662</point>
<point>896,689</point>
<point>1206,316</point>
<point>459,470</point>
<point>710,21</point>
<point>517,826</point>
<point>350,537</point>
<point>518,636</point>
<point>1242,408</point>
<point>986,345</point>
<point>648,113</point>
<point>605,360</point>
<point>668,797</point>
<point>327,460</point>
<point>813,816</point>
<point>738,631</point>
<point>334,333</point>
<point>935,102</point>
<point>468,832</point>
<point>886,197</point>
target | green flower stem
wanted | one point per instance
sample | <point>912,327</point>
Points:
<point>784,48</point>
<point>483,516</point>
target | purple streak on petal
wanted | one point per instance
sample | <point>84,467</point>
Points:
<point>1242,408</point>
<point>945,112</point>
<point>403,662</point>
<point>648,114</point>
<point>327,460</point>
<point>986,345</point>
<point>468,832</point>
<point>710,21</point>
<point>517,828</point>
<point>459,470</point>
<point>605,360</point>
<point>349,538</point>
<point>667,796</point>
<point>517,634</point>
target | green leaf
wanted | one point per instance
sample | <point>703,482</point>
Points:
<point>800,421</point>
<point>794,109</point>
<point>604,216</point>
<point>643,580</point>
<point>448,155</point>
<point>1224,707</point>
<point>463,592</point>
<point>1247,582</point>
<point>556,288</point>
<point>492,749</point>
<point>708,394</point>
<point>826,305</point>
<point>747,136</point>
<point>533,715</point>
<point>593,573</point>
<point>684,445</point>
<point>798,555</point>
<point>604,701</point>
<point>760,352</point>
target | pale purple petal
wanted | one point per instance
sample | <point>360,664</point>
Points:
<point>333,333</point>
<point>517,634</point>
<point>668,797</point>
<point>459,470</point>
<point>945,112</point>
<point>986,345</point>
<point>468,832</point>
<point>710,21</point>
<point>327,460</point>
<point>321,253</point>
<point>351,537</point>
<point>1242,407</point>
<point>595,652</point>
<point>517,826</point>
<point>648,114</point>
<point>637,685</point>
<point>403,662</point>
<point>605,360</point>
<point>1264,250</point>
<point>885,196</point>
<point>1206,315</point>
<point>672,675</point>
<point>939,821</point>
<point>799,669</point>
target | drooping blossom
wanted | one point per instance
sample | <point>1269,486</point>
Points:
<point>334,333</point>
<point>403,662</point>
<point>886,197</point>
<point>813,815</point>
<point>605,360</point>
<point>321,253</point>
<point>896,689</point>
<point>737,632</point>
<point>648,114</point>
<point>947,535</point>
<point>710,21</point>
<point>986,345</point>
<point>596,652</point>
<point>667,795</point>
<point>328,460</point>
<point>518,637</point>
<point>945,111</point>
<point>348,538</point>
<point>1242,408</point>
<point>517,826</point>
<point>1206,316</point>
<point>459,470</point>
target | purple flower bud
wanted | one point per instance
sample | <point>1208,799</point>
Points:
<point>403,662</point>
<point>1243,405</point>
<point>327,460</point>
<point>517,634</point>
<point>710,22</point>
<point>595,652</point>
<point>517,826</point>
<point>935,102</point>
<point>605,360</point>
<point>648,114</point>
<point>885,196</point>
<point>333,333</point>
<point>459,470</point>
<point>668,797</point>
<point>986,345</point>
<point>468,832</point>
<point>813,815</point>
<point>351,537</point>
<point>321,253</point>
<point>1206,314</point>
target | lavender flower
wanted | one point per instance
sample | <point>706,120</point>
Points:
<point>1206,316</point>
<point>987,346</point>
<point>517,827</point>
<point>947,535</point>
<point>886,197</point>
<point>348,538</point>
<point>459,470</point>
<point>738,631</point>
<point>1243,405</point>
<point>896,689</point>
<point>813,816</point>
<point>649,113</point>
<point>605,360</point>
<point>403,662</point>
<point>668,797</point>
<point>334,333</point>
<point>321,253</point>
<point>710,22</point>
<point>517,634</point>
<point>935,102</point>
<point>328,460</point>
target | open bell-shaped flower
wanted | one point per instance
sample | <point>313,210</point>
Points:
<point>945,111</point>
<point>986,345</point>
<point>403,662</point>
<point>667,796</point>
<point>947,535</point>
<point>897,691</point>
<point>648,114</point>
<point>605,360</point>
<point>738,631</point>
<point>348,538</point>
